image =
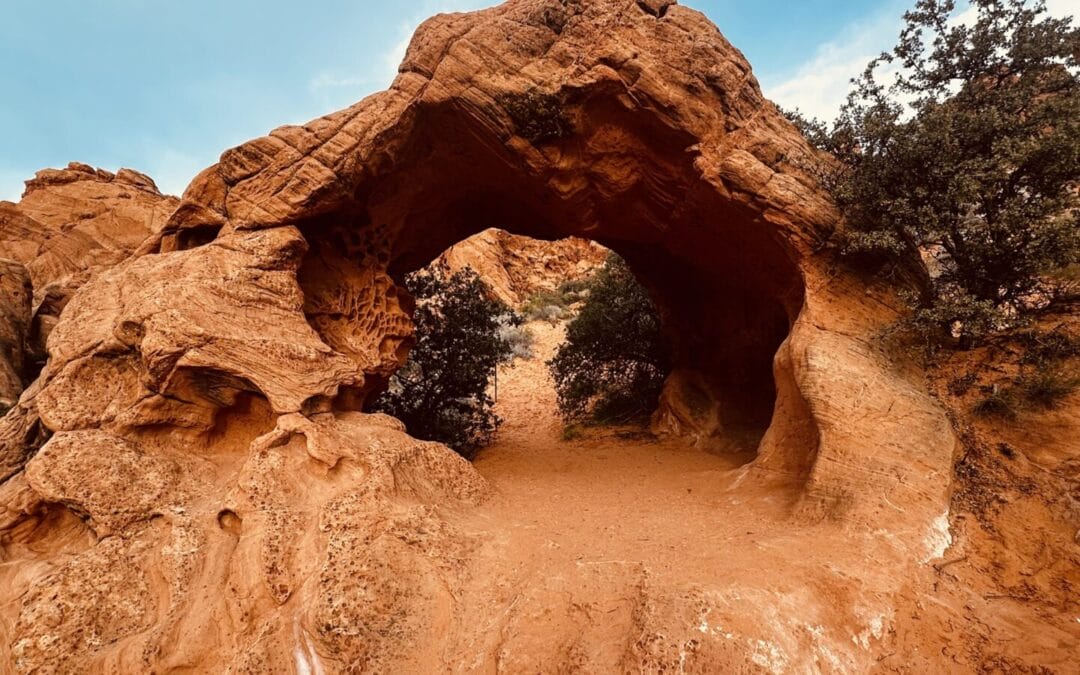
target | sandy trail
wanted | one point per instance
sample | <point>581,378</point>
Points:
<point>603,549</point>
<point>602,497</point>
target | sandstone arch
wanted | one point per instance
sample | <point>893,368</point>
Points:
<point>633,123</point>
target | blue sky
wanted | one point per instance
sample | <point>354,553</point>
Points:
<point>164,86</point>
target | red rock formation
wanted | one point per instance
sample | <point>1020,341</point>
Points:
<point>516,267</point>
<point>74,220</point>
<point>71,224</point>
<point>15,303</point>
<point>199,396</point>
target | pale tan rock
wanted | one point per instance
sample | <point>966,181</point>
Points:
<point>203,394</point>
<point>516,267</point>
<point>74,220</point>
<point>72,223</point>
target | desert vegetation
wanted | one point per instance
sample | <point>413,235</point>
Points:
<point>609,370</point>
<point>612,367</point>
<point>956,170</point>
<point>462,334</point>
<point>555,305</point>
<point>196,445</point>
<point>1045,374</point>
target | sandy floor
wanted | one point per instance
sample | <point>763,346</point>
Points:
<point>606,498</point>
<point>608,553</point>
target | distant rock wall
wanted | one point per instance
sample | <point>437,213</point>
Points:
<point>516,267</point>
<point>187,484</point>
<point>70,225</point>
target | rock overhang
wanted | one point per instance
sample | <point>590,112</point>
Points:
<point>632,123</point>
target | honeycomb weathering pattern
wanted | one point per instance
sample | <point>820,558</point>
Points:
<point>204,503</point>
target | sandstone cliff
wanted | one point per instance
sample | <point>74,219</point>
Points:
<point>188,484</point>
<point>69,225</point>
<point>516,267</point>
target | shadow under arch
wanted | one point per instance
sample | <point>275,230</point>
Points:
<point>726,285</point>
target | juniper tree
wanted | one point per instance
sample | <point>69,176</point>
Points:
<point>959,154</point>
<point>440,393</point>
<point>613,364</point>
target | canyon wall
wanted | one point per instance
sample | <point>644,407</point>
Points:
<point>188,483</point>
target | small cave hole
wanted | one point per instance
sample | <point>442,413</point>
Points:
<point>229,521</point>
<point>194,237</point>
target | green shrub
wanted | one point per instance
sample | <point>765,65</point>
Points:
<point>1047,387</point>
<point>545,305</point>
<point>574,290</point>
<point>1044,388</point>
<point>960,385</point>
<point>519,338</point>
<point>1049,347</point>
<point>999,402</point>
<point>554,306</point>
<point>537,116</point>
<point>440,393</point>
<point>963,170</point>
<point>614,362</point>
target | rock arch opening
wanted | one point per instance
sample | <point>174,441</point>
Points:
<point>727,289</point>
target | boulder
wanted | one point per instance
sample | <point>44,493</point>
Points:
<point>197,490</point>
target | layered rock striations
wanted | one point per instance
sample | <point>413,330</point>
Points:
<point>70,225</point>
<point>189,483</point>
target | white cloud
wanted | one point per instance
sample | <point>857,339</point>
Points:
<point>819,87</point>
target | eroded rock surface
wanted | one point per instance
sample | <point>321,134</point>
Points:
<point>516,267</point>
<point>15,306</point>
<point>70,225</point>
<point>189,485</point>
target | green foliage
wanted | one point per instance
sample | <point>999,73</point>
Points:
<point>574,290</point>
<point>1049,347</point>
<point>553,306</point>
<point>1047,387</point>
<point>1047,376</point>
<point>1044,388</point>
<point>518,338</point>
<point>961,385</point>
<point>814,130</point>
<point>441,391</point>
<point>613,364</point>
<point>965,167</point>
<point>545,305</point>
<point>999,403</point>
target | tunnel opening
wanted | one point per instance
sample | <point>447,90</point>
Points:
<point>722,279</point>
<point>497,307</point>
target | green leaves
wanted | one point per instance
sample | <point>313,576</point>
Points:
<point>441,391</point>
<point>613,364</point>
<point>965,161</point>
